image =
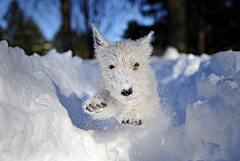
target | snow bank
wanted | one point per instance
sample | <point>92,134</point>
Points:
<point>41,116</point>
<point>171,53</point>
<point>34,124</point>
<point>206,102</point>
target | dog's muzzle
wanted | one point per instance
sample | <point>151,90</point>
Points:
<point>127,92</point>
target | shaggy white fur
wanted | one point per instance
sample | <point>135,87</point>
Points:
<point>127,87</point>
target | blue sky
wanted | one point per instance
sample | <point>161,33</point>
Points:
<point>50,23</point>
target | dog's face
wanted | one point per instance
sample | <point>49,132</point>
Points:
<point>124,65</point>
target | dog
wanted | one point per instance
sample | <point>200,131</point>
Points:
<point>127,86</point>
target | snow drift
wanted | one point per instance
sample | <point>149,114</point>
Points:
<point>41,116</point>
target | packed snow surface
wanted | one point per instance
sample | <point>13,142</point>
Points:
<point>41,117</point>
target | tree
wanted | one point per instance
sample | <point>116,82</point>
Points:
<point>33,40</point>
<point>170,21</point>
<point>1,33</point>
<point>177,24</point>
<point>213,26</point>
<point>195,26</point>
<point>15,29</point>
<point>22,31</point>
<point>79,45</point>
<point>100,12</point>
<point>157,10</point>
<point>67,38</point>
<point>135,31</point>
<point>201,31</point>
<point>77,16</point>
<point>65,33</point>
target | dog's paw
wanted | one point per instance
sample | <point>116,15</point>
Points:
<point>95,105</point>
<point>132,122</point>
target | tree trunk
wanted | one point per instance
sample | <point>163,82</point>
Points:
<point>201,33</point>
<point>67,34</point>
<point>85,5</point>
<point>89,40</point>
<point>177,24</point>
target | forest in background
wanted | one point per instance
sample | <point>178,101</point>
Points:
<point>191,26</point>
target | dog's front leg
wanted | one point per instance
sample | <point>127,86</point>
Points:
<point>131,118</point>
<point>101,106</point>
<point>95,104</point>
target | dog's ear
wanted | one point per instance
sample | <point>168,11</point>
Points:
<point>99,40</point>
<point>145,44</point>
<point>147,39</point>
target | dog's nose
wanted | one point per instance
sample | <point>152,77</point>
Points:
<point>126,92</point>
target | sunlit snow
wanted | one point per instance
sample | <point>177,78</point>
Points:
<point>41,117</point>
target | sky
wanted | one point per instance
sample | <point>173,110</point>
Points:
<point>50,23</point>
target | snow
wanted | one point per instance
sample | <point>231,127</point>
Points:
<point>171,53</point>
<point>41,117</point>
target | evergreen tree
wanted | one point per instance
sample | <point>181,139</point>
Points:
<point>135,31</point>
<point>211,26</point>
<point>15,30</point>
<point>156,9</point>
<point>23,32</point>
<point>79,45</point>
<point>33,40</point>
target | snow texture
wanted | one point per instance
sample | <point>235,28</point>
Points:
<point>41,117</point>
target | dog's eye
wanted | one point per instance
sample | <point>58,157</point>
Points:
<point>136,65</point>
<point>111,66</point>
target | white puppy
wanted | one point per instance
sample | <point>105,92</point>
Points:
<point>127,87</point>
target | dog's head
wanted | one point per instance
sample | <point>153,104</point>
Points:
<point>124,65</point>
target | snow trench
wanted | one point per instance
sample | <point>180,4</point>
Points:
<point>41,117</point>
